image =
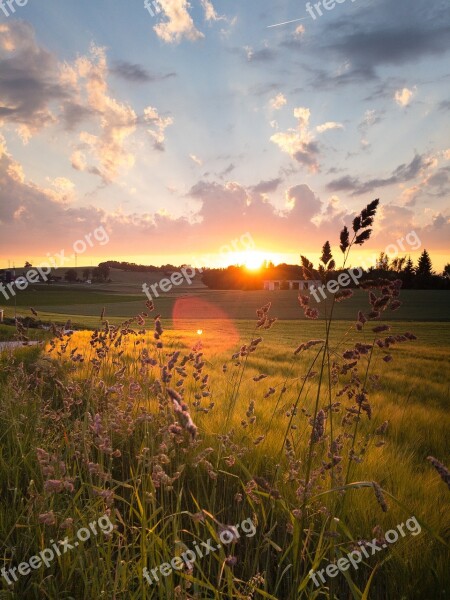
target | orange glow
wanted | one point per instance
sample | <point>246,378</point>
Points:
<point>189,312</point>
<point>251,259</point>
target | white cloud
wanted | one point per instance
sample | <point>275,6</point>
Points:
<point>329,125</point>
<point>158,125</point>
<point>210,11</point>
<point>299,142</point>
<point>278,102</point>
<point>403,97</point>
<point>196,159</point>
<point>117,120</point>
<point>179,23</point>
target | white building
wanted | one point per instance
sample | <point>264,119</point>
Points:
<point>291,284</point>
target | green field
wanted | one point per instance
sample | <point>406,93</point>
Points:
<point>123,298</point>
<point>114,440</point>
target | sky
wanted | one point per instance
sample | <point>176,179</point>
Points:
<point>178,133</point>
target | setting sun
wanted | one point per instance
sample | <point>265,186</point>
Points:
<point>253,260</point>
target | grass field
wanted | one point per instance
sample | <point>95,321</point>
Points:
<point>81,303</point>
<point>112,442</point>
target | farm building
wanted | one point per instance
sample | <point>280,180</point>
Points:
<point>290,284</point>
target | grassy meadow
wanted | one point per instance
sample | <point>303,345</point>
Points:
<point>180,427</point>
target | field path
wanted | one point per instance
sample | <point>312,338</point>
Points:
<point>14,345</point>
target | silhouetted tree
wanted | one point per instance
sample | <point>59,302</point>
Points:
<point>424,266</point>
<point>408,273</point>
<point>382,262</point>
<point>397,264</point>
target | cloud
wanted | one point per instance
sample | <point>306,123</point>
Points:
<point>179,24</point>
<point>299,143</point>
<point>137,73</point>
<point>403,173</point>
<point>210,11</point>
<point>226,211</point>
<point>196,159</point>
<point>264,187</point>
<point>157,125</point>
<point>371,118</point>
<point>278,102</point>
<point>29,81</point>
<point>117,120</point>
<point>329,125</point>
<point>35,217</point>
<point>256,56</point>
<point>377,36</point>
<point>403,97</point>
<point>37,91</point>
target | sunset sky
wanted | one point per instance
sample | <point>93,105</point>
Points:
<point>183,131</point>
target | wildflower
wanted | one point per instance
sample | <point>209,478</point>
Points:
<point>443,471</point>
<point>67,523</point>
<point>410,336</point>
<point>318,426</point>
<point>182,411</point>
<point>379,496</point>
<point>259,377</point>
<point>381,430</point>
<point>343,295</point>
<point>381,328</point>
<point>395,305</point>
<point>47,518</point>
<point>303,300</point>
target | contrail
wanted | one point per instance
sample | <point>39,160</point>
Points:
<point>286,22</point>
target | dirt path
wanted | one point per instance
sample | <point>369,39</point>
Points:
<point>13,345</point>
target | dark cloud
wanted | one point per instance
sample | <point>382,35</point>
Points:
<point>263,55</point>
<point>308,154</point>
<point>137,73</point>
<point>264,187</point>
<point>382,34</point>
<point>73,114</point>
<point>28,79</point>
<point>403,173</point>
<point>227,171</point>
<point>394,46</point>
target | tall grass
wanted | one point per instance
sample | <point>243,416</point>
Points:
<point>177,440</point>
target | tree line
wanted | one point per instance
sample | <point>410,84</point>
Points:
<point>413,276</point>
